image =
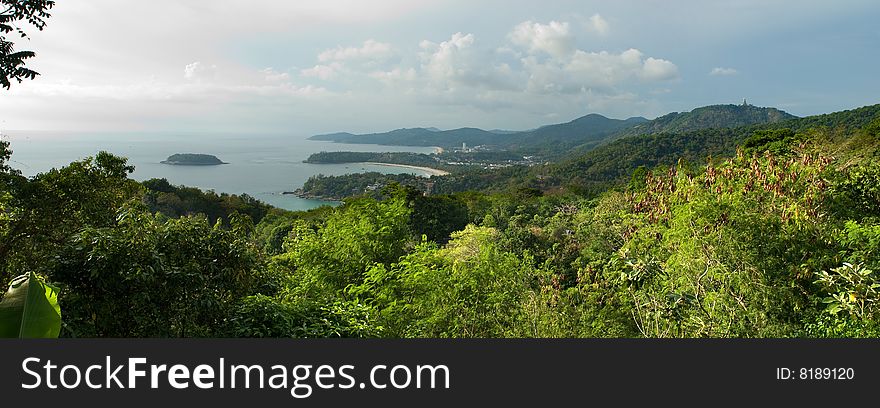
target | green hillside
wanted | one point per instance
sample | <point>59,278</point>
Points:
<point>711,117</point>
<point>595,170</point>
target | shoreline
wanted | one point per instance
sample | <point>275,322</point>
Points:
<point>429,170</point>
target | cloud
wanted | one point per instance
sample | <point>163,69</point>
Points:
<point>447,59</point>
<point>720,71</point>
<point>599,24</point>
<point>274,76</point>
<point>655,69</point>
<point>570,70</point>
<point>457,63</point>
<point>601,71</point>
<point>371,50</point>
<point>554,38</point>
<point>396,75</point>
<point>323,72</point>
<point>526,70</point>
<point>341,61</point>
<point>197,71</point>
<point>548,71</point>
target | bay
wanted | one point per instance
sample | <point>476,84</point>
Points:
<point>260,165</point>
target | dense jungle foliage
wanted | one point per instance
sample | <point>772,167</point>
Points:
<point>776,235</point>
<point>356,184</point>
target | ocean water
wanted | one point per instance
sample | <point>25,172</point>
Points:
<point>261,165</point>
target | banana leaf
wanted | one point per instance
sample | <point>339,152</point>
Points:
<point>29,309</point>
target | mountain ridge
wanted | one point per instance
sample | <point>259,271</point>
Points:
<point>592,128</point>
<point>582,134</point>
<point>711,117</point>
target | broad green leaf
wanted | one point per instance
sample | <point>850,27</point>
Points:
<point>30,309</point>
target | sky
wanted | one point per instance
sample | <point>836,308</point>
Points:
<point>308,67</point>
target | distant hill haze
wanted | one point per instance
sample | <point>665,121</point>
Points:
<point>592,128</point>
<point>418,137</point>
<point>581,134</point>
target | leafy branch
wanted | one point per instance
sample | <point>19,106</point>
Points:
<point>33,12</point>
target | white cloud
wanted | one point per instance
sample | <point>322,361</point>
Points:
<point>197,71</point>
<point>604,69</point>
<point>371,50</point>
<point>396,75</point>
<point>458,63</point>
<point>554,38</point>
<point>656,69</point>
<point>447,59</point>
<point>720,71</point>
<point>597,71</point>
<point>323,72</point>
<point>599,24</point>
<point>534,67</point>
<point>459,70</point>
<point>274,76</point>
<point>552,71</point>
<point>341,61</point>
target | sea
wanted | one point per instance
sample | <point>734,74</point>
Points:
<point>263,166</point>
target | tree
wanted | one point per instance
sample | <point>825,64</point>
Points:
<point>39,214</point>
<point>146,276</point>
<point>5,154</point>
<point>33,12</point>
<point>468,288</point>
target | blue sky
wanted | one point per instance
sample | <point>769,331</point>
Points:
<point>309,67</point>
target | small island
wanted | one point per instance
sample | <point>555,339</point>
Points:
<point>189,159</point>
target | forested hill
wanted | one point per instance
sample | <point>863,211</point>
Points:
<point>591,168</point>
<point>591,172</point>
<point>711,117</point>
<point>589,129</point>
<point>844,120</point>
<point>582,134</point>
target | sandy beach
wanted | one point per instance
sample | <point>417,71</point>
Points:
<point>433,172</point>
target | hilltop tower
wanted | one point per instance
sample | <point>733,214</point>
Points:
<point>745,103</point>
